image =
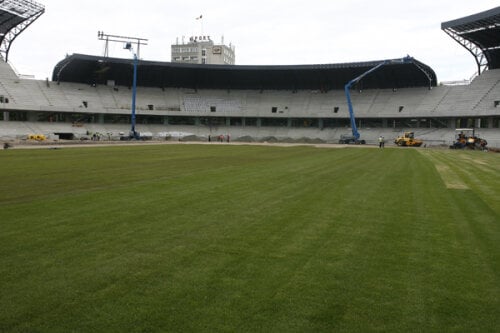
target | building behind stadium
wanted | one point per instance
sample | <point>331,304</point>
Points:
<point>203,50</point>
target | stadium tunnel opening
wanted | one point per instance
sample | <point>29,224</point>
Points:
<point>65,136</point>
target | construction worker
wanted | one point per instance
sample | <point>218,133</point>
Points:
<point>381,142</point>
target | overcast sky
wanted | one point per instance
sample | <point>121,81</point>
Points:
<point>264,32</point>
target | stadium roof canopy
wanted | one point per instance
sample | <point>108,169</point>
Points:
<point>98,70</point>
<point>480,35</point>
<point>15,17</point>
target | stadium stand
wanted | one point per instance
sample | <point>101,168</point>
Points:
<point>92,94</point>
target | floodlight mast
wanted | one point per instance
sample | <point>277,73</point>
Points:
<point>121,39</point>
<point>128,46</point>
<point>133,133</point>
<point>347,88</point>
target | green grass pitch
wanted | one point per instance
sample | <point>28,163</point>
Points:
<point>223,238</point>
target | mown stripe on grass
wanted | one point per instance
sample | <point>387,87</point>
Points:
<point>449,177</point>
<point>474,170</point>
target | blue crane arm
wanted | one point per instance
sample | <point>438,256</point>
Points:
<point>348,85</point>
<point>354,128</point>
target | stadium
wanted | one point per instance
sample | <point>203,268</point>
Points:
<point>92,94</point>
<point>284,231</point>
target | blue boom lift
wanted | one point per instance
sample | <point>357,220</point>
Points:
<point>355,137</point>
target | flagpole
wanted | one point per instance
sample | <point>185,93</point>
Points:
<point>200,18</point>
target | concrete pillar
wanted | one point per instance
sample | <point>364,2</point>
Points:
<point>289,122</point>
<point>6,115</point>
<point>259,122</point>
<point>100,118</point>
<point>321,123</point>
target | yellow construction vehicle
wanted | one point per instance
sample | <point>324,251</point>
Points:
<point>408,139</point>
<point>37,137</point>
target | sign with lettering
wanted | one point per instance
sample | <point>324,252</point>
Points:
<point>199,38</point>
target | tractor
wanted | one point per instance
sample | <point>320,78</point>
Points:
<point>466,138</point>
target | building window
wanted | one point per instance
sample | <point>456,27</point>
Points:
<point>250,121</point>
<point>274,122</point>
<point>235,122</point>
<point>173,120</point>
<point>496,123</point>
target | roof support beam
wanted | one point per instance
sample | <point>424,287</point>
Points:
<point>478,34</point>
<point>477,52</point>
<point>20,15</point>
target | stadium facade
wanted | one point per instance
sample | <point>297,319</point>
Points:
<point>92,94</point>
